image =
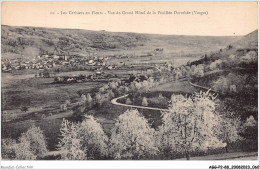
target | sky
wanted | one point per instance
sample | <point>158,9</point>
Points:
<point>222,19</point>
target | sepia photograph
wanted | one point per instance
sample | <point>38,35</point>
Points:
<point>127,80</point>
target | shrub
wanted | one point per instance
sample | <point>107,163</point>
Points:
<point>198,71</point>
<point>89,98</point>
<point>128,101</point>
<point>250,122</point>
<point>63,107</point>
<point>98,99</point>
<point>250,130</point>
<point>83,98</point>
<point>221,84</point>
<point>144,102</point>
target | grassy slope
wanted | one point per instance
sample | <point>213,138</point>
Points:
<point>35,92</point>
<point>250,41</point>
<point>31,41</point>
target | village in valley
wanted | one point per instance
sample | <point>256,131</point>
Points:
<point>47,66</point>
<point>54,62</point>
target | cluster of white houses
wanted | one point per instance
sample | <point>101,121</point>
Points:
<point>51,61</point>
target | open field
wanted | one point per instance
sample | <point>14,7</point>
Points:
<point>41,92</point>
<point>179,86</point>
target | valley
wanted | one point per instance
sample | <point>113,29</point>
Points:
<point>49,75</point>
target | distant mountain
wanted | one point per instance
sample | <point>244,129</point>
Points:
<point>32,41</point>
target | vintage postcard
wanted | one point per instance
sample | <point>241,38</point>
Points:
<point>128,80</point>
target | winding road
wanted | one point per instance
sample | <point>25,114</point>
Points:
<point>114,101</point>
